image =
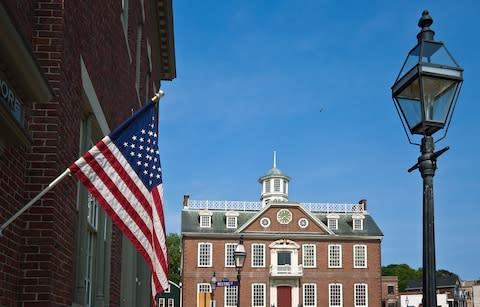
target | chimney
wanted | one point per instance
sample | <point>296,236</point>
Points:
<point>364,203</point>
<point>185,201</point>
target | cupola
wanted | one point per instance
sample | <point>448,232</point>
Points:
<point>274,185</point>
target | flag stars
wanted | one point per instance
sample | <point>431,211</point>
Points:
<point>141,139</point>
<point>139,155</point>
<point>150,133</point>
<point>143,131</point>
<point>125,144</point>
<point>134,137</point>
<point>132,145</point>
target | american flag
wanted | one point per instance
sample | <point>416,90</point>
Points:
<point>123,172</point>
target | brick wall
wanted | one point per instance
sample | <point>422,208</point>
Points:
<point>322,275</point>
<point>37,251</point>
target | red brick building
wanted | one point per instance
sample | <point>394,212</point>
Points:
<point>69,72</point>
<point>298,254</point>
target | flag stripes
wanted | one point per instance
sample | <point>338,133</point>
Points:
<point>122,171</point>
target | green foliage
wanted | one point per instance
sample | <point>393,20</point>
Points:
<point>173,243</point>
<point>404,273</point>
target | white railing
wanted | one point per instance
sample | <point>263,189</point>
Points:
<point>257,206</point>
<point>286,270</point>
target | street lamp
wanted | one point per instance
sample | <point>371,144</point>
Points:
<point>213,285</point>
<point>425,93</point>
<point>239,255</point>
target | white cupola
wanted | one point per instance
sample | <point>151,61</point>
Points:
<point>274,185</point>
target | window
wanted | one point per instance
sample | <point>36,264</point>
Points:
<point>334,256</point>
<point>284,258</point>
<point>285,186</point>
<point>309,295</point>
<point>267,186</point>
<point>92,220</point>
<point>333,224</point>
<point>361,295</point>
<point>390,290</point>
<point>335,295</point>
<point>258,295</point>
<point>357,224</point>
<point>205,221</point>
<point>231,222</point>
<point>258,255</point>
<point>309,255</point>
<point>204,254</point>
<point>303,223</point>
<point>229,259</point>
<point>276,185</point>
<point>161,302</point>
<point>359,256</point>
<point>171,302</point>
<point>230,296</point>
<point>203,294</point>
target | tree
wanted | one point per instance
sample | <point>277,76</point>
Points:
<point>173,243</point>
<point>404,273</point>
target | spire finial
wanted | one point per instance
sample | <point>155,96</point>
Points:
<point>424,23</point>
<point>274,159</point>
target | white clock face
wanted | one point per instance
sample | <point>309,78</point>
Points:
<point>284,216</point>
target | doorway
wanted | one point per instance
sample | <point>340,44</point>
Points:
<point>284,296</point>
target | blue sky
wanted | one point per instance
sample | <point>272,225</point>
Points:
<point>311,80</point>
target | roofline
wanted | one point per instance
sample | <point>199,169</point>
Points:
<point>276,236</point>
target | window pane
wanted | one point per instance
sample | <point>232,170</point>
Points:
<point>258,255</point>
<point>283,258</point>
<point>276,185</point>
<point>360,256</point>
<point>309,256</point>
<point>361,295</point>
<point>204,254</point>
<point>258,295</point>
<point>309,295</point>
<point>335,295</point>
<point>230,296</point>
<point>229,259</point>
<point>335,256</point>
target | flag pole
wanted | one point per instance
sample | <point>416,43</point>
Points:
<point>30,203</point>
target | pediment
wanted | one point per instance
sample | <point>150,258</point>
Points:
<point>285,218</point>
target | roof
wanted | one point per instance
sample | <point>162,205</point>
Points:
<point>191,225</point>
<point>442,282</point>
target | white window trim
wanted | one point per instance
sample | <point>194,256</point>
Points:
<point>207,214</point>
<point>314,294</point>
<point>264,294</point>
<point>225,301</point>
<point>235,222</point>
<point>199,285</point>
<point>365,257</point>
<point>361,224</point>
<point>330,246</point>
<point>263,259</point>
<point>330,295</point>
<point>314,256</point>
<point>355,294</point>
<point>226,254</point>
<point>210,253</point>
<point>332,223</point>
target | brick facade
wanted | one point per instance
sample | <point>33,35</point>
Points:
<point>37,251</point>
<point>282,229</point>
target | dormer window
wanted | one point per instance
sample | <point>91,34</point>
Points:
<point>231,222</point>
<point>332,221</point>
<point>357,222</point>
<point>205,219</point>
<point>333,224</point>
<point>231,219</point>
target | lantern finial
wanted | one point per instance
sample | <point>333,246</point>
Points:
<point>425,22</point>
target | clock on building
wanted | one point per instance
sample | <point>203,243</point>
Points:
<point>284,216</point>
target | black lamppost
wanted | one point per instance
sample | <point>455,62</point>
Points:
<point>425,94</point>
<point>239,255</point>
<point>213,285</point>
